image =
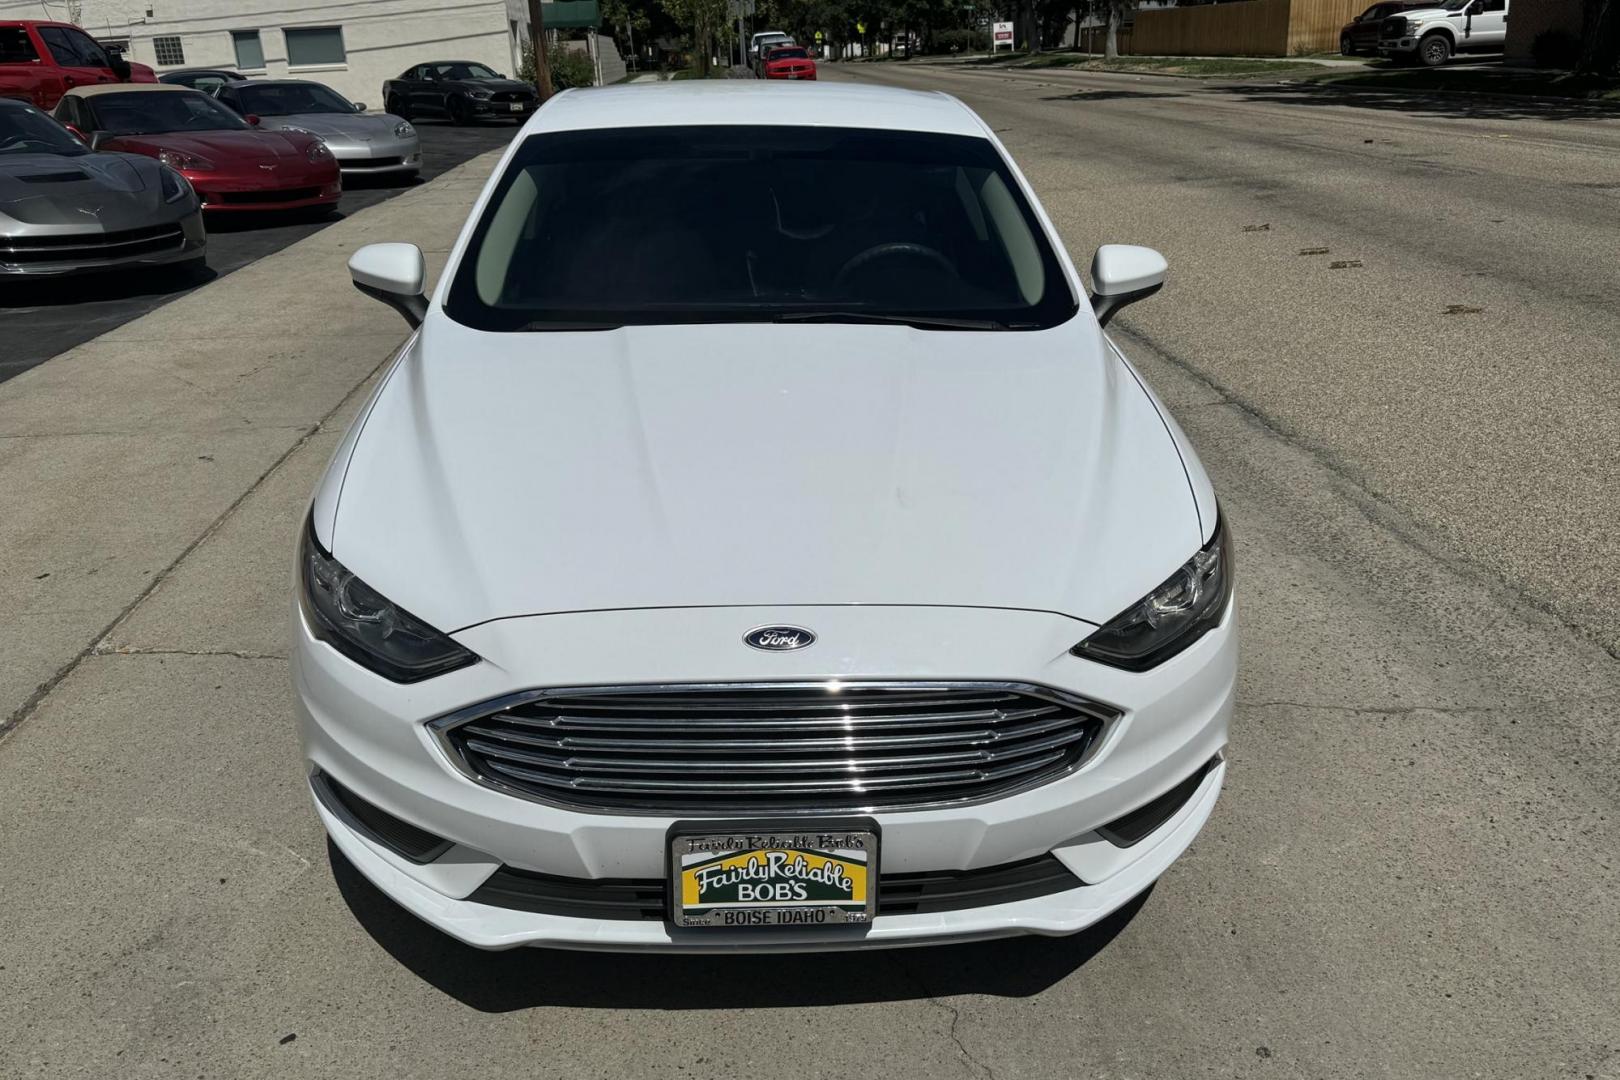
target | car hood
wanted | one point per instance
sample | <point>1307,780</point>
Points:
<point>117,191</point>
<point>348,126</point>
<point>1422,13</point>
<point>220,147</point>
<point>730,465</point>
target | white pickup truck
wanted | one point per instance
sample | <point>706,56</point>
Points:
<point>1432,35</point>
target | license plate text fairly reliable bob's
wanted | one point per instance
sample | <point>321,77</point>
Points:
<point>795,874</point>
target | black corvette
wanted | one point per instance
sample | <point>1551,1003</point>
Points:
<point>461,90</point>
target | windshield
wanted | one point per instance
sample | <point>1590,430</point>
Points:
<point>154,112</point>
<point>594,229</point>
<point>26,130</point>
<point>786,54</point>
<point>460,71</point>
<point>288,99</point>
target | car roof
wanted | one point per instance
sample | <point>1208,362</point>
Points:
<point>746,101</point>
<point>129,88</point>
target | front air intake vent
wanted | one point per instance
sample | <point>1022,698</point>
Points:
<point>774,747</point>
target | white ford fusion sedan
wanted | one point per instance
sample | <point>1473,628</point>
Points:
<point>759,545</point>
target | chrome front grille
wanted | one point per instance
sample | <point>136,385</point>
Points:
<point>773,747</point>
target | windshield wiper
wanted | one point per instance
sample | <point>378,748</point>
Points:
<point>919,322</point>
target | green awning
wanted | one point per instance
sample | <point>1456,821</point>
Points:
<point>571,15</point>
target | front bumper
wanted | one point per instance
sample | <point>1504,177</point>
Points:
<point>153,246</point>
<point>226,195</point>
<point>517,110</point>
<point>378,157</point>
<point>1394,45</point>
<point>370,736</point>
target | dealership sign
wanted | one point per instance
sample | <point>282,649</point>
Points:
<point>1002,34</point>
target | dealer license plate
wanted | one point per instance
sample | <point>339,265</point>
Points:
<point>516,106</point>
<point>797,874</point>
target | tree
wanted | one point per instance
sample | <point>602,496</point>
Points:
<point>1116,16</point>
<point>1600,38</point>
<point>708,24</point>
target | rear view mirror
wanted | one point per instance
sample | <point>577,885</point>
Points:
<point>1122,274</point>
<point>394,274</point>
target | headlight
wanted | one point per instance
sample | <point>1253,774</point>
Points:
<point>363,625</point>
<point>403,130</point>
<point>172,184</point>
<point>318,152</point>
<point>1171,617</point>
<point>482,95</point>
<point>179,160</point>
<point>292,127</point>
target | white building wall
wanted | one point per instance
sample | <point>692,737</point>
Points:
<point>381,38</point>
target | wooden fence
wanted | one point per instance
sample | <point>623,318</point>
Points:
<point>1247,28</point>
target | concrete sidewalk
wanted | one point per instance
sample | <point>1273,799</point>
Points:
<point>119,456</point>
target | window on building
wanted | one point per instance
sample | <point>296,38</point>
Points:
<point>15,46</point>
<point>169,50</point>
<point>311,45</point>
<point>249,50</point>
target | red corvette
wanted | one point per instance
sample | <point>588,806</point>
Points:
<point>789,62</point>
<point>232,165</point>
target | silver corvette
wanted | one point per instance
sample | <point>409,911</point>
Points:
<point>65,208</point>
<point>362,142</point>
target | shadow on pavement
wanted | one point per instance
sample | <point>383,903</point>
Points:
<point>1456,105</point>
<point>1110,95</point>
<point>92,288</point>
<point>531,978</point>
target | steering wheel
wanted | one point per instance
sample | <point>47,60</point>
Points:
<point>899,248</point>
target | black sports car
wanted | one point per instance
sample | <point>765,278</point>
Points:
<point>66,208</point>
<point>461,90</point>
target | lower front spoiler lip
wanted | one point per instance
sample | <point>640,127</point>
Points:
<point>1058,914</point>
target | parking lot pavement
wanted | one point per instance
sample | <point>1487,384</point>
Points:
<point>43,318</point>
<point>1410,874</point>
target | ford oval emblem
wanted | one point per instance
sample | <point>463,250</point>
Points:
<point>779,638</point>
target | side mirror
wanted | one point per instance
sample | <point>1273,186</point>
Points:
<point>1122,274</point>
<point>392,273</point>
<point>98,139</point>
<point>252,119</point>
<point>359,106</point>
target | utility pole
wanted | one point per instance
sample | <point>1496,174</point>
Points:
<point>537,41</point>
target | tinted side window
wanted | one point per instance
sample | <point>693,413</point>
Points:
<point>15,46</point>
<point>71,48</point>
<point>91,54</point>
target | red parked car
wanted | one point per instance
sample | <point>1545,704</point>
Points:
<point>233,165</point>
<point>40,61</point>
<point>789,62</point>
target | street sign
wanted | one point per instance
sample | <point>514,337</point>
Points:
<point>1001,34</point>
<point>818,37</point>
<point>860,27</point>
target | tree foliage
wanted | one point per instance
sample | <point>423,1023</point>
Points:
<point>1600,37</point>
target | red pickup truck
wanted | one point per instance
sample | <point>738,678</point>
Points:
<point>39,61</point>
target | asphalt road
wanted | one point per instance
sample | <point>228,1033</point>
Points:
<point>44,318</point>
<point>1412,871</point>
